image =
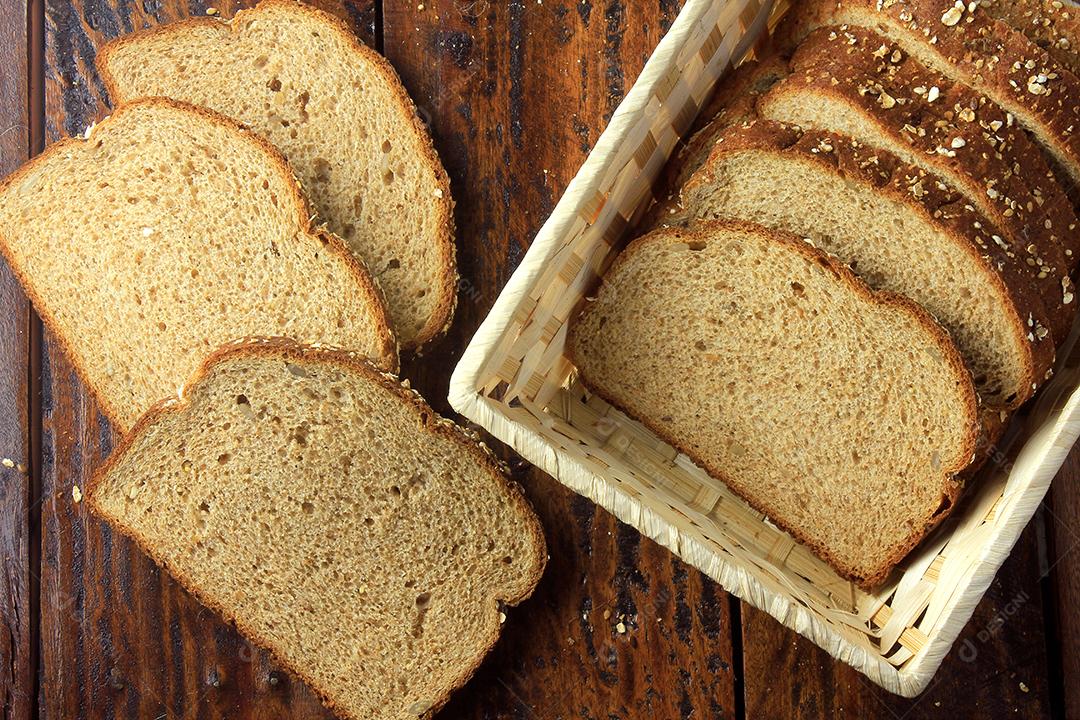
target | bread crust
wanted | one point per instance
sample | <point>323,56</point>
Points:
<point>887,176</point>
<point>291,351</point>
<point>965,42</point>
<point>951,488</point>
<point>1000,171</point>
<point>329,241</point>
<point>442,317</point>
<point>1051,24</point>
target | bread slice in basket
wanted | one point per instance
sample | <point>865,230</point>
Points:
<point>967,43</point>
<point>855,82</point>
<point>334,518</point>
<point>899,228</point>
<point>841,413</point>
<point>732,103</point>
<point>165,232</point>
<point>339,113</point>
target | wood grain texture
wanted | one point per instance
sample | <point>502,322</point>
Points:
<point>516,93</point>
<point>1064,560</point>
<point>618,629</point>
<point>17,601</point>
<point>997,668</point>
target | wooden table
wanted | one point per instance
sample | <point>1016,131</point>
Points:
<point>516,92</point>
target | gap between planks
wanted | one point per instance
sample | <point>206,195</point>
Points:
<point>35,113</point>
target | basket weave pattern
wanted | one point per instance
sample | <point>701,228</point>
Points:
<point>516,381</point>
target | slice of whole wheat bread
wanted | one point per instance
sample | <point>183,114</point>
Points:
<point>334,518</point>
<point>965,42</point>
<point>855,82</point>
<point>166,232</point>
<point>732,103</point>
<point>339,113</point>
<point>899,228</point>
<point>739,344</point>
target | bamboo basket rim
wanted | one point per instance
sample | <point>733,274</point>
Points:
<point>472,391</point>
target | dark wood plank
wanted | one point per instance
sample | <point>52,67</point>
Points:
<point>17,602</point>
<point>118,638</point>
<point>619,628</point>
<point>516,94</point>
<point>997,669</point>
<point>1065,561</point>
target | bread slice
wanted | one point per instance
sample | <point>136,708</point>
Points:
<point>840,413</point>
<point>166,232</point>
<point>339,113</point>
<point>855,82</point>
<point>335,519</point>
<point>745,82</point>
<point>965,42</point>
<point>1053,25</point>
<point>899,228</point>
<point>732,103</point>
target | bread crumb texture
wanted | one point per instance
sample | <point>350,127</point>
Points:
<point>840,413</point>
<point>171,232</point>
<point>338,112</point>
<point>856,202</point>
<point>334,518</point>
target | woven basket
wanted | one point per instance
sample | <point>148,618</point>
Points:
<point>516,381</point>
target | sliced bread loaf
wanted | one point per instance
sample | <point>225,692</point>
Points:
<point>965,42</point>
<point>899,228</point>
<point>166,232</point>
<point>738,345</point>
<point>334,518</point>
<point>337,110</point>
<point>855,82</point>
